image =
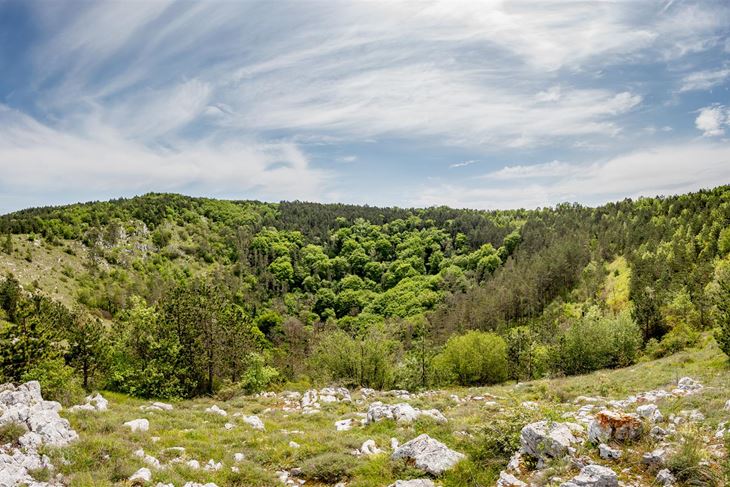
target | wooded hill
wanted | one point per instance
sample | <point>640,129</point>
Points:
<point>168,295</point>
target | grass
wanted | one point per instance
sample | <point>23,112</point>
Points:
<point>104,455</point>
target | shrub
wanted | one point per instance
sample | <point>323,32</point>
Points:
<point>473,358</point>
<point>11,432</point>
<point>688,463</point>
<point>258,375</point>
<point>57,380</point>
<point>679,338</point>
<point>328,467</point>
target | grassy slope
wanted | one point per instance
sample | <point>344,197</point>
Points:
<point>104,454</point>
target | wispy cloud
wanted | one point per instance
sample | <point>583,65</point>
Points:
<point>667,169</point>
<point>704,80</point>
<point>463,164</point>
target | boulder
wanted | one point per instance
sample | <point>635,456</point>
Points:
<point>650,412</point>
<point>138,425</point>
<point>610,425</point>
<point>593,476</point>
<point>141,476</point>
<point>655,458</point>
<point>547,439</point>
<point>428,454</point>
<point>402,413</point>
<point>254,422</point>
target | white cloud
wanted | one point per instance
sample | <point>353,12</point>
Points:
<point>669,169</point>
<point>704,80</point>
<point>39,158</point>
<point>712,120</point>
<point>463,164</point>
<point>544,170</point>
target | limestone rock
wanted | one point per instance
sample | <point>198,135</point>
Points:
<point>254,422</point>
<point>214,409</point>
<point>664,477</point>
<point>593,476</point>
<point>94,402</point>
<point>141,476</point>
<point>610,425</point>
<point>509,480</point>
<point>608,453</point>
<point>413,483</point>
<point>343,425</point>
<point>547,439</point>
<point>429,455</point>
<point>138,425</point>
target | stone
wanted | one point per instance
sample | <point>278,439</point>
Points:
<point>343,425</point>
<point>143,475</point>
<point>94,402</point>
<point>650,412</point>
<point>394,444</point>
<point>212,466</point>
<point>214,409</point>
<point>664,477</point>
<point>686,386</point>
<point>655,458</point>
<point>138,425</point>
<point>610,425</point>
<point>229,426</point>
<point>593,476</point>
<point>608,453</point>
<point>369,448</point>
<point>509,480</point>
<point>294,444</point>
<point>658,433</point>
<point>727,405</point>
<point>547,439</point>
<point>402,413</point>
<point>238,457</point>
<point>413,483</point>
<point>428,454</point>
<point>254,422</point>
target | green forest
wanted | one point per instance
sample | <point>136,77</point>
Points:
<point>170,296</point>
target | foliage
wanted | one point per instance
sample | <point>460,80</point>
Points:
<point>473,358</point>
<point>57,380</point>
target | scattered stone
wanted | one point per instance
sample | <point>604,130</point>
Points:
<point>148,459</point>
<point>650,412</point>
<point>294,444</point>
<point>509,480</point>
<point>368,448</point>
<point>547,439</point>
<point>593,476</point>
<point>429,455</point>
<point>654,459</point>
<point>610,425</point>
<point>664,477</point>
<point>94,402</point>
<point>213,466</point>
<point>143,475</point>
<point>214,409</point>
<point>531,405</point>
<point>343,425</point>
<point>658,433</point>
<point>394,444</point>
<point>413,483</point>
<point>402,413</point>
<point>238,457</point>
<point>138,425</point>
<point>608,453</point>
<point>687,386</point>
<point>254,422</point>
<point>194,464</point>
<point>157,406</point>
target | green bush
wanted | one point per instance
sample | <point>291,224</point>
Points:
<point>678,338</point>
<point>472,359</point>
<point>258,376</point>
<point>328,467</point>
<point>57,380</point>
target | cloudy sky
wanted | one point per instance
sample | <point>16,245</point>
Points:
<point>482,104</point>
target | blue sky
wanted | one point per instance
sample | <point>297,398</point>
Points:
<point>470,104</point>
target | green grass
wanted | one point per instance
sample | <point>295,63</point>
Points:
<point>104,455</point>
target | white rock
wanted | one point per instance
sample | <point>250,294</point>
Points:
<point>254,422</point>
<point>547,439</point>
<point>294,444</point>
<point>138,425</point>
<point>213,466</point>
<point>428,454</point>
<point>650,412</point>
<point>343,425</point>
<point>94,402</point>
<point>727,405</point>
<point>142,475</point>
<point>238,457</point>
<point>665,478</point>
<point>509,480</point>
<point>194,464</point>
<point>369,448</point>
<point>214,409</point>
<point>608,453</point>
<point>593,476</point>
<point>394,443</point>
<point>413,483</point>
<point>655,458</point>
<point>229,426</point>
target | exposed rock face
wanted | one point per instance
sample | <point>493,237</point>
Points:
<point>24,405</point>
<point>593,476</point>
<point>547,439</point>
<point>428,454</point>
<point>611,425</point>
<point>402,413</point>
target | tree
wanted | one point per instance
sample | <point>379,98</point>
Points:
<point>88,346</point>
<point>474,358</point>
<point>721,292</point>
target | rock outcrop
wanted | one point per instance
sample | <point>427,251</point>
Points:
<point>610,425</point>
<point>428,454</point>
<point>548,439</point>
<point>402,413</point>
<point>593,476</point>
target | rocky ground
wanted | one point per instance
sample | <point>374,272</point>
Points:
<point>657,423</point>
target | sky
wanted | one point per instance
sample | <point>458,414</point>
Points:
<point>477,104</point>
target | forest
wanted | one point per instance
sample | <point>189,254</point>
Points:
<point>170,296</point>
